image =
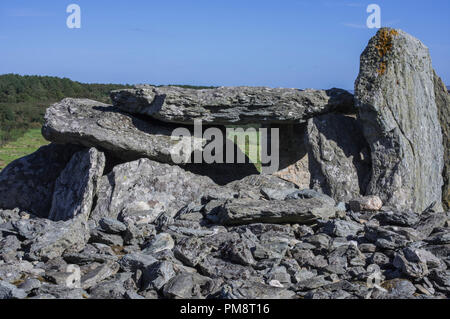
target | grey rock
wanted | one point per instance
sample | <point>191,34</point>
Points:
<point>114,288</point>
<point>158,274</point>
<point>441,279</point>
<point>135,261</point>
<point>401,288</point>
<point>277,194</point>
<point>410,269</point>
<point>254,290</point>
<point>380,259</point>
<point>112,226</point>
<point>160,242</point>
<point>30,284</point>
<point>339,157</point>
<point>91,254</point>
<point>98,236</point>
<point>142,190</point>
<point>443,106</point>
<point>191,251</point>
<point>439,238</point>
<point>397,218</point>
<point>137,234</point>
<point>342,228</point>
<point>251,183</point>
<point>8,291</point>
<point>302,211</point>
<point>395,98</point>
<point>239,252</point>
<point>217,268</point>
<point>309,193</point>
<point>187,286</point>
<point>312,283</point>
<point>94,124</point>
<point>423,256</point>
<point>28,183</point>
<point>49,240</point>
<point>50,291</point>
<point>99,274</point>
<point>231,105</point>
<point>76,185</point>
<point>429,222</point>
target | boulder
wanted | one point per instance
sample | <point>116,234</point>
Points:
<point>339,157</point>
<point>76,186</point>
<point>146,188</point>
<point>94,124</point>
<point>396,102</point>
<point>28,183</point>
<point>248,211</point>
<point>443,105</point>
<point>231,105</point>
<point>47,240</point>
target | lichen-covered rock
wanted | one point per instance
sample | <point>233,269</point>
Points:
<point>395,98</point>
<point>94,124</point>
<point>146,189</point>
<point>339,159</point>
<point>443,105</point>
<point>231,105</point>
<point>28,183</point>
<point>75,187</point>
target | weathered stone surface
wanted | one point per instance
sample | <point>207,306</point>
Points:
<point>147,188</point>
<point>254,290</point>
<point>94,124</point>
<point>231,105</point>
<point>339,157</point>
<point>293,154</point>
<point>443,106</point>
<point>8,291</point>
<point>48,240</point>
<point>247,211</point>
<point>367,203</point>
<point>395,98</point>
<point>75,187</point>
<point>99,274</point>
<point>28,182</point>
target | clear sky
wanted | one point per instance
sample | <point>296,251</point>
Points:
<point>282,43</point>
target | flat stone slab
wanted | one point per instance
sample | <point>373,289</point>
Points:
<point>249,211</point>
<point>94,124</point>
<point>231,105</point>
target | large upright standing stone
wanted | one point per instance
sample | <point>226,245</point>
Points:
<point>395,98</point>
<point>443,105</point>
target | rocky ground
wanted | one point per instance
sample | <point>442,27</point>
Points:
<point>190,256</point>
<point>103,212</point>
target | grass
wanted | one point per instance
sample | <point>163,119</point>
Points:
<point>23,146</point>
<point>250,146</point>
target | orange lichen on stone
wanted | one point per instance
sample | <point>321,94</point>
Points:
<point>384,45</point>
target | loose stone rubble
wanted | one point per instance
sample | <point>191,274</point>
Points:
<point>105,214</point>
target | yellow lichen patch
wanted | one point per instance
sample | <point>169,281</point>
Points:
<point>384,45</point>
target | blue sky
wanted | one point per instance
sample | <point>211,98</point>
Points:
<point>285,43</point>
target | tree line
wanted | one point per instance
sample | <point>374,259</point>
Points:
<point>24,99</point>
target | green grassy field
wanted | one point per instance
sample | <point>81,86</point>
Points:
<point>23,146</point>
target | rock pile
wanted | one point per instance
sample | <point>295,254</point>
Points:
<point>354,212</point>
